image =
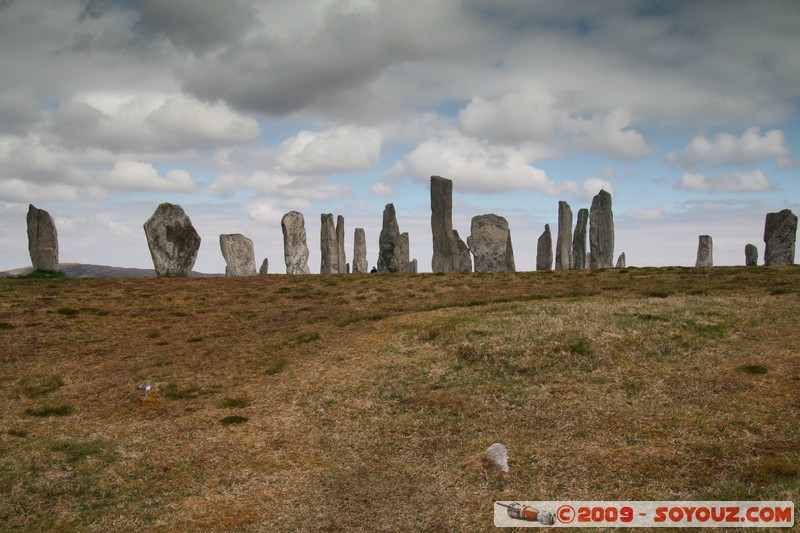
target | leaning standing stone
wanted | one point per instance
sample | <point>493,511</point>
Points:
<point>564,238</point>
<point>238,253</point>
<point>579,241</point>
<point>295,250</point>
<point>544,250</point>
<point>601,231</point>
<point>780,230</point>
<point>360,252</point>
<point>621,261</point>
<point>490,244</point>
<point>705,252</point>
<point>750,255</point>
<point>42,240</point>
<point>464,258</point>
<point>172,240</point>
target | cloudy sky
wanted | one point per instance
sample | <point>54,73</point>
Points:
<point>687,112</point>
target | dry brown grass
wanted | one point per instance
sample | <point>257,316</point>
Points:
<point>368,400</point>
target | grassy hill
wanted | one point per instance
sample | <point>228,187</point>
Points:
<point>366,402</point>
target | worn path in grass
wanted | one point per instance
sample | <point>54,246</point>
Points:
<point>366,402</point>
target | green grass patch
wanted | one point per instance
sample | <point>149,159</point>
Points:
<point>275,366</point>
<point>233,419</point>
<point>75,451</point>
<point>6,326</point>
<point>233,403</point>
<point>753,369</point>
<point>173,391</point>
<point>14,432</point>
<point>658,294</point>
<point>194,339</point>
<point>50,410</point>
<point>43,274</point>
<point>68,312</point>
<point>36,385</point>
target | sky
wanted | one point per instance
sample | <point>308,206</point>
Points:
<point>687,112</point>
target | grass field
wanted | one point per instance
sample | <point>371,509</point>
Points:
<point>366,402</point>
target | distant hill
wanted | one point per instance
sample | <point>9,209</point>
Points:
<point>80,270</point>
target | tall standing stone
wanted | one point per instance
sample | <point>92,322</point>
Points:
<point>490,244</point>
<point>342,256</point>
<point>238,253</point>
<point>464,258</point>
<point>329,252</point>
<point>172,240</point>
<point>264,266</point>
<point>780,230</point>
<point>601,231</point>
<point>402,251</point>
<point>705,252</point>
<point>445,247</point>
<point>620,261</point>
<point>750,255</point>
<point>579,241</point>
<point>42,240</point>
<point>387,241</point>
<point>295,250</point>
<point>544,250</point>
<point>564,238</point>
<point>360,264</point>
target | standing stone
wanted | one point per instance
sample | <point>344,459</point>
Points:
<point>564,238</point>
<point>295,250</point>
<point>750,255</point>
<point>579,261</point>
<point>544,250</point>
<point>329,251</point>
<point>412,266</point>
<point>360,264</point>
<point>620,261</point>
<point>402,251</point>
<point>601,231</point>
<point>172,240</point>
<point>238,253</point>
<point>387,241</point>
<point>588,262</point>
<point>264,267</point>
<point>464,258</point>
<point>780,230</point>
<point>342,256</point>
<point>42,240</point>
<point>490,244</point>
<point>705,252</point>
<point>445,247</point>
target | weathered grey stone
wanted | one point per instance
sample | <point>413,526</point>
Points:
<point>42,240</point>
<point>360,264</point>
<point>328,244</point>
<point>238,253</point>
<point>412,266</point>
<point>172,240</point>
<point>544,250</point>
<point>497,455</point>
<point>620,261</point>
<point>490,244</point>
<point>579,261</point>
<point>780,231</point>
<point>264,267</point>
<point>587,264</point>
<point>750,255</point>
<point>705,252</point>
<point>601,231</point>
<point>347,268</point>
<point>445,247</point>
<point>464,258</point>
<point>295,250</point>
<point>340,245</point>
<point>402,251</point>
<point>564,238</point>
<point>387,241</point>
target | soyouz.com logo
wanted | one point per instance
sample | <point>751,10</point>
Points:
<point>643,514</point>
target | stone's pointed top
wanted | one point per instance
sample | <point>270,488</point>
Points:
<point>621,262</point>
<point>544,250</point>
<point>388,260</point>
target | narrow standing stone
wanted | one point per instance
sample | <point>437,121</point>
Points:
<point>329,253</point>
<point>445,248</point>
<point>601,231</point>
<point>544,250</point>
<point>42,240</point>
<point>564,239</point>
<point>402,251</point>
<point>237,250</point>
<point>412,266</point>
<point>751,255</point>
<point>295,250</point>
<point>360,264</point>
<point>464,258</point>
<point>490,244</point>
<point>342,256</point>
<point>579,261</point>
<point>780,230</point>
<point>264,267</point>
<point>172,240</point>
<point>620,261</point>
<point>705,252</point>
<point>387,241</point>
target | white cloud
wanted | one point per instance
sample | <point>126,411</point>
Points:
<point>592,186</point>
<point>17,190</point>
<point>645,213</point>
<point>137,176</point>
<point>727,149</point>
<point>264,212</point>
<point>476,165</point>
<point>379,189</point>
<point>735,182</point>
<point>18,110</point>
<point>343,149</point>
<point>609,134</point>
